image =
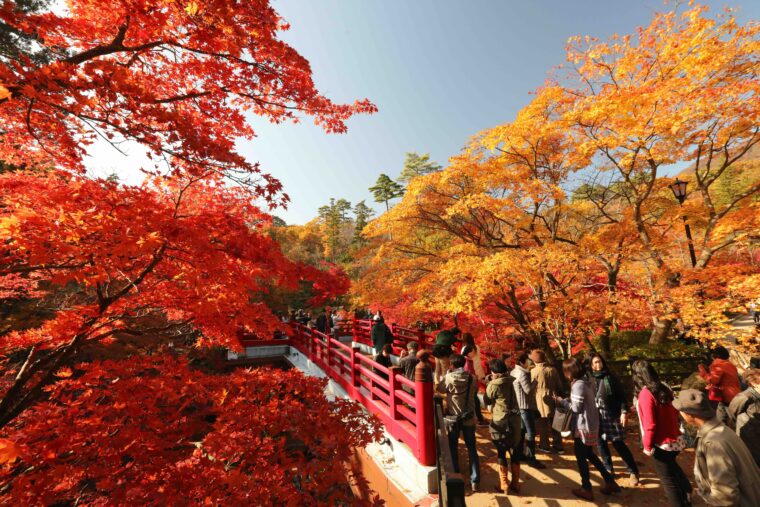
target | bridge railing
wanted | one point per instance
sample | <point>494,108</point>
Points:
<point>404,406</point>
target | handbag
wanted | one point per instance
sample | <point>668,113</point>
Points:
<point>562,420</point>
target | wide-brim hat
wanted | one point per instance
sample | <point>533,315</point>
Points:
<point>694,402</point>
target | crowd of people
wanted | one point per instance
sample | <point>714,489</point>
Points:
<point>535,400</point>
<point>536,404</point>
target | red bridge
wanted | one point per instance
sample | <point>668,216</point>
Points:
<point>405,407</point>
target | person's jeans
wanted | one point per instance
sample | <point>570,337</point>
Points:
<point>585,454</point>
<point>674,481</point>
<point>529,423</point>
<point>478,410</point>
<point>624,452</point>
<point>472,451</point>
<point>544,428</point>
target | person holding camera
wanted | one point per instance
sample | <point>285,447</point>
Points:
<point>460,388</point>
<point>506,426</point>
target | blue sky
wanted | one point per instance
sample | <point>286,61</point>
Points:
<point>439,72</point>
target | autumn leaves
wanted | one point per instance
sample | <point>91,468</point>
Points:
<point>560,225</point>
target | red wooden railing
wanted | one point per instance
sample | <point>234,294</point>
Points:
<point>404,335</point>
<point>404,406</point>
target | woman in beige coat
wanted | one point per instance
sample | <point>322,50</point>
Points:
<point>548,385</point>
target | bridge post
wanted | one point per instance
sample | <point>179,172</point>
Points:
<point>423,390</point>
<point>392,386</point>
<point>328,360</point>
<point>354,376</point>
<point>421,339</point>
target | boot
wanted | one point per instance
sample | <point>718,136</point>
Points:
<point>514,486</point>
<point>503,479</point>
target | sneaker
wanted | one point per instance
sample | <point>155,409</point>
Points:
<point>583,493</point>
<point>609,488</point>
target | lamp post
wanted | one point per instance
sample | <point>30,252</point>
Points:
<point>679,190</point>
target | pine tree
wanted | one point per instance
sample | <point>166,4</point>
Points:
<point>386,189</point>
<point>417,165</point>
<point>362,212</point>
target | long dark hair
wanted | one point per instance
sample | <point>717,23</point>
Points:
<point>644,375</point>
<point>604,369</point>
<point>467,339</point>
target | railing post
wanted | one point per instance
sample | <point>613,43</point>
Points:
<point>354,374</point>
<point>423,390</point>
<point>392,386</point>
<point>421,339</point>
<point>329,361</point>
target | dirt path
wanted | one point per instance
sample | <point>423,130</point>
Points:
<point>551,487</point>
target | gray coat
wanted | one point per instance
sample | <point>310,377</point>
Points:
<point>524,388</point>
<point>585,421</point>
<point>724,470</point>
<point>454,385</point>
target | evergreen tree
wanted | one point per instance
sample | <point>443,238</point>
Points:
<point>386,189</point>
<point>417,165</point>
<point>333,216</point>
<point>362,212</point>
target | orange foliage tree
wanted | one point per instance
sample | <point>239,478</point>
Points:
<point>561,224</point>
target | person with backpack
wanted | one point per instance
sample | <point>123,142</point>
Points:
<point>724,470</point>
<point>744,413</point>
<point>506,425</point>
<point>460,389</point>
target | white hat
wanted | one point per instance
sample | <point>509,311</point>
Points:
<point>376,317</point>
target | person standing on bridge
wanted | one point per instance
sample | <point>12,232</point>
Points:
<point>506,425</point>
<point>408,361</point>
<point>380,334</point>
<point>448,337</point>
<point>324,322</point>
<point>460,388</point>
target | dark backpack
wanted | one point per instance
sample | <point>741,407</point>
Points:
<point>748,425</point>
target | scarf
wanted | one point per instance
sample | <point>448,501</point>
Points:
<point>603,382</point>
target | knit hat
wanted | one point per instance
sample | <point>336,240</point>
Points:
<point>694,402</point>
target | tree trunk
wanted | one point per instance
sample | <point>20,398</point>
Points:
<point>661,330</point>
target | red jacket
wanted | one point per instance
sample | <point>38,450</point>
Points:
<point>724,376</point>
<point>659,423</point>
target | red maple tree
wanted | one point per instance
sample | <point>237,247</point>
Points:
<point>184,254</point>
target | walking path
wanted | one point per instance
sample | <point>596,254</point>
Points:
<point>551,486</point>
